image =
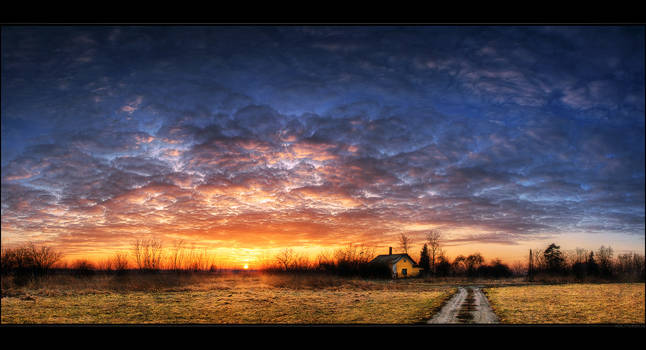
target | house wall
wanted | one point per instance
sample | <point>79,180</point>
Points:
<point>405,263</point>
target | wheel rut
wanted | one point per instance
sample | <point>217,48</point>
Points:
<point>468,306</point>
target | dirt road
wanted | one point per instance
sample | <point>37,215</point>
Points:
<point>468,305</point>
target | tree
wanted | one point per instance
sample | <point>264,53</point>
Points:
<point>120,263</point>
<point>459,264</point>
<point>554,258</point>
<point>405,242</point>
<point>83,268</point>
<point>591,266</point>
<point>147,254</point>
<point>519,269</point>
<point>43,258</point>
<point>424,260</point>
<point>442,266</point>
<point>286,258</point>
<point>604,255</point>
<point>472,262</point>
<point>434,237</point>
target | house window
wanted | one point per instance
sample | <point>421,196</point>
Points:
<point>404,272</point>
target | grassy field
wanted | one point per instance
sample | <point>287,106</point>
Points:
<point>569,303</point>
<point>225,299</point>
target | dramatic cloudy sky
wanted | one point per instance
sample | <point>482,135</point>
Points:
<point>248,139</point>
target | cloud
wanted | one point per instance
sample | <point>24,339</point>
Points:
<point>321,135</point>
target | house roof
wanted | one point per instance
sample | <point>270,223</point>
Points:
<point>392,259</point>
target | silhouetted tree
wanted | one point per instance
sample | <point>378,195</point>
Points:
<point>434,237</point>
<point>459,265</point>
<point>424,259</point>
<point>442,266</point>
<point>286,258</point>
<point>83,268</point>
<point>120,263</point>
<point>473,261</point>
<point>604,256</point>
<point>554,258</point>
<point>405,242</point>
<point>43,258</point>
<point>147,254</point>
<point>591,266</point>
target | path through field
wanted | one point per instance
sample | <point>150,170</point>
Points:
<point>468,305</point>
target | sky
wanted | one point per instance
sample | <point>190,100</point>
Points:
<point>246,140</point>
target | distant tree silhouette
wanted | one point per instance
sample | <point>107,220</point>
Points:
<point>442,266</point>
<point>459,264</point>
<point>473,261</point>
<point>83,268</point>
<point>434,238</point>
<point>591,265</point>
<point>604,255</point>
<point>286,258</point>
<point>554,258</point>
<point>424,259</point>
<point>405,242</point>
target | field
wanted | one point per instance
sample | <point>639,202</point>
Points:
<point>569,303</point>
<point>302,299</point>
<point>225,299</point>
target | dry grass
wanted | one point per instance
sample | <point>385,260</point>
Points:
<point>570,303</point>
<point>229,299</point>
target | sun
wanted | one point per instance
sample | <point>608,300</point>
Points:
<point>246,266</point>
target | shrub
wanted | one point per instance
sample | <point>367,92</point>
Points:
<point>82,268</point>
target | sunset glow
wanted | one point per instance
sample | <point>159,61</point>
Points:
<point>243,141</point>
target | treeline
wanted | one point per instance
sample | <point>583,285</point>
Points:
<point>357,261</point>
<point>145,256</point>
<point>28,261</point>
<point>470,266</point>
<point>149,256</point>
<point>583,264</point>
<point>348,261</point>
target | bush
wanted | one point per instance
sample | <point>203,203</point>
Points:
<point>28,261</point>
<point>82,268</point>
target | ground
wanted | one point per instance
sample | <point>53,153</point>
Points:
<point>468,305</point>
<point>266,299</point>
<point>569,303</point>
<point>235,300</point>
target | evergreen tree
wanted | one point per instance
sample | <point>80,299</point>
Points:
<point>554,258</point>
<point>591,266</point>
<point>424,259</point>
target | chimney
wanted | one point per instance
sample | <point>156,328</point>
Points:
<point>390,250</point>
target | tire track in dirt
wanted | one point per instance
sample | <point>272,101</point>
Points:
<point>468,305</point>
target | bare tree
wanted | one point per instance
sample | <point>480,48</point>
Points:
<point>16,260</point>
<point>197,260</point>
<point>518,268</point>
<point>434,238</point>
<point>120,262</point>
<point>43,257</point>
<point>405,242</point>
<point>538,261</point>
<point>105,265</point>
<point>604,256</point>
<point>580,255</point>
<point>148,254</point>
<point>285,258</point>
